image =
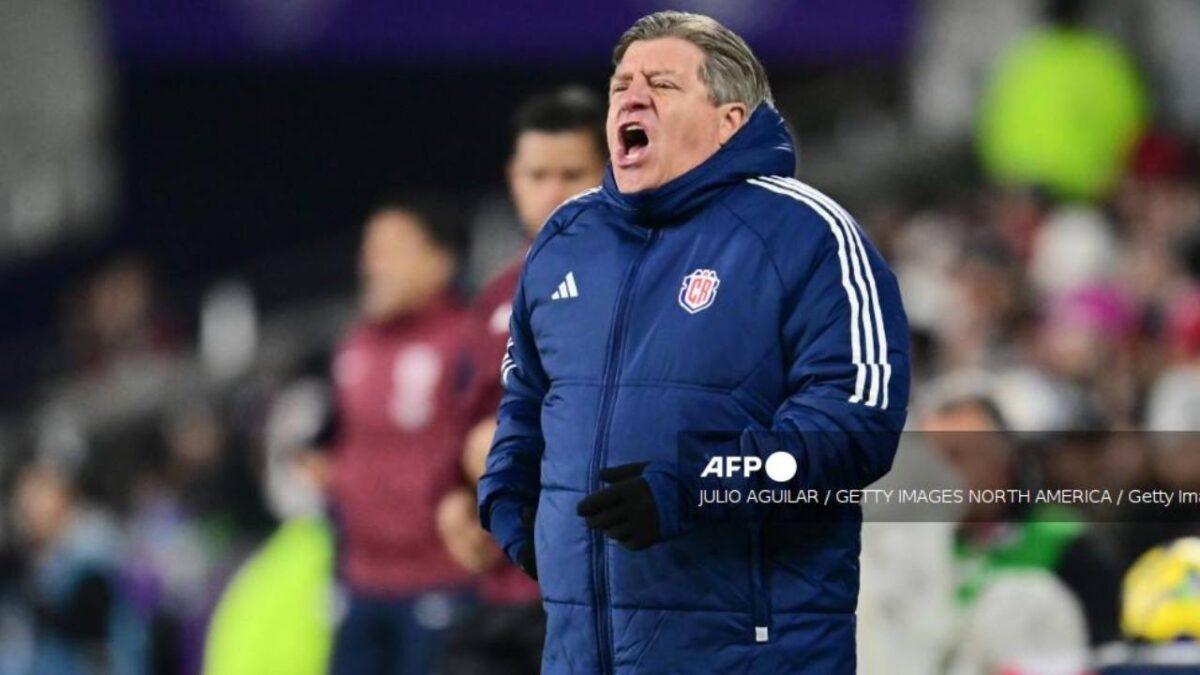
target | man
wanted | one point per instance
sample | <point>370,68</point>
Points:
<point>697,289</point>
<point>399,378</point>
<point>994,540</point>
<point>558,151</point>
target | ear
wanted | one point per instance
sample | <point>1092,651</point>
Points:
<point>733,115</point>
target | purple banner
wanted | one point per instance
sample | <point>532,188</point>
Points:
<point>480,32</point>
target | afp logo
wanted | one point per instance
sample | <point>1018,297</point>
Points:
<point>699,290</point>
<point>780,466</point>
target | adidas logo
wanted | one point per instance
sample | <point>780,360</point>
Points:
<point>566,288</point>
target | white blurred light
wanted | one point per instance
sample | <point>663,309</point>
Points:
<point>228,330</point>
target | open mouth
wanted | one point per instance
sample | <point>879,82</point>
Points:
<point>635,142</point>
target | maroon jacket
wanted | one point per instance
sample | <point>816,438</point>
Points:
<point>402,422</point>
<point>504,584</point>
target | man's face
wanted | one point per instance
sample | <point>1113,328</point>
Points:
<point>661,119</point>
<point>967,438</point>
<point>41,505</point>
<point>547,168</point>
<point>399,266</point>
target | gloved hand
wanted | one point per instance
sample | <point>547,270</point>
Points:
<point>626,510</point>
<point>526,554</point>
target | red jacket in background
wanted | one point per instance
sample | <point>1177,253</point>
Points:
<point>402,422</point>
<point>505,584</point>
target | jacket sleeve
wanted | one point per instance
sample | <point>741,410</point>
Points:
<point>845,340</point>
<point>512,477</point>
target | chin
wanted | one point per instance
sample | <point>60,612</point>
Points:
<point>635,180</point>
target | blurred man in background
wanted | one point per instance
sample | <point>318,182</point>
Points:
<point>995,540</point>
<point>400,377</point>
<point>558,151</point>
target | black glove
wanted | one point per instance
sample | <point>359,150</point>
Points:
<point>527,554</point>
<point>625,510</point>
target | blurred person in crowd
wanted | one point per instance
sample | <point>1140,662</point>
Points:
<point>68,586</point>
<point>116,321</point>
<point>194,510</point>
<point>985,309</point>
<point>1173,425</point>
<point>1089,336</point>
<point>998,537</point>
<point>1180,303</point>
<point>1158,204</point>
<point>907,613</point>
<point>1030,130</point>
<point>558,151</point>
<point>400,374</point>
<point>701,287</point>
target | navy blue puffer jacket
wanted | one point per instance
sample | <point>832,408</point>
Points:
<point>732,298</point>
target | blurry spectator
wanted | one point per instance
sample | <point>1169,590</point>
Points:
<point>192,511</point>
<point>1158,204</point>
<point>1074,247</point>
<point>1173,427</point>
<point>907,612</point>
<point>999,537</point>
<point>558,151</point>
<point>1024,622</point>
<point>989,307</point>
<point>69,586</point>
<point>117,323</point>
<point>1088,336</point>
<point>401,375</point>
<point>1062,110</point>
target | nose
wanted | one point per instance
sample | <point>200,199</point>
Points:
<point>636,96</point>
<point>560,193</point>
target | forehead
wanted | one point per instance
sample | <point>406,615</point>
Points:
<point>661,54</point>
<point>392,224</point>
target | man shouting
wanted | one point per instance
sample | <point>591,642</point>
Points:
<point>700,288</point>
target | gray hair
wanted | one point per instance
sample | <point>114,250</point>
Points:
<point>730,69</point>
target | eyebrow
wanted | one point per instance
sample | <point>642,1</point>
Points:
<point>648,73</point>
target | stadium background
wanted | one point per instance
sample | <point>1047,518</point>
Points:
<point>182,192</point>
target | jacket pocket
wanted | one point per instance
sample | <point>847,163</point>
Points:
<point>760,609</point>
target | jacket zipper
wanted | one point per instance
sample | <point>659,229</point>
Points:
<point>612,365</point>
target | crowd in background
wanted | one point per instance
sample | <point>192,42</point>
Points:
<point>1052,284</point>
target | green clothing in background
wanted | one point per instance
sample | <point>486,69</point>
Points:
<point>1035,543</point>
<point>1062,111</point>
<point>275,616</point>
